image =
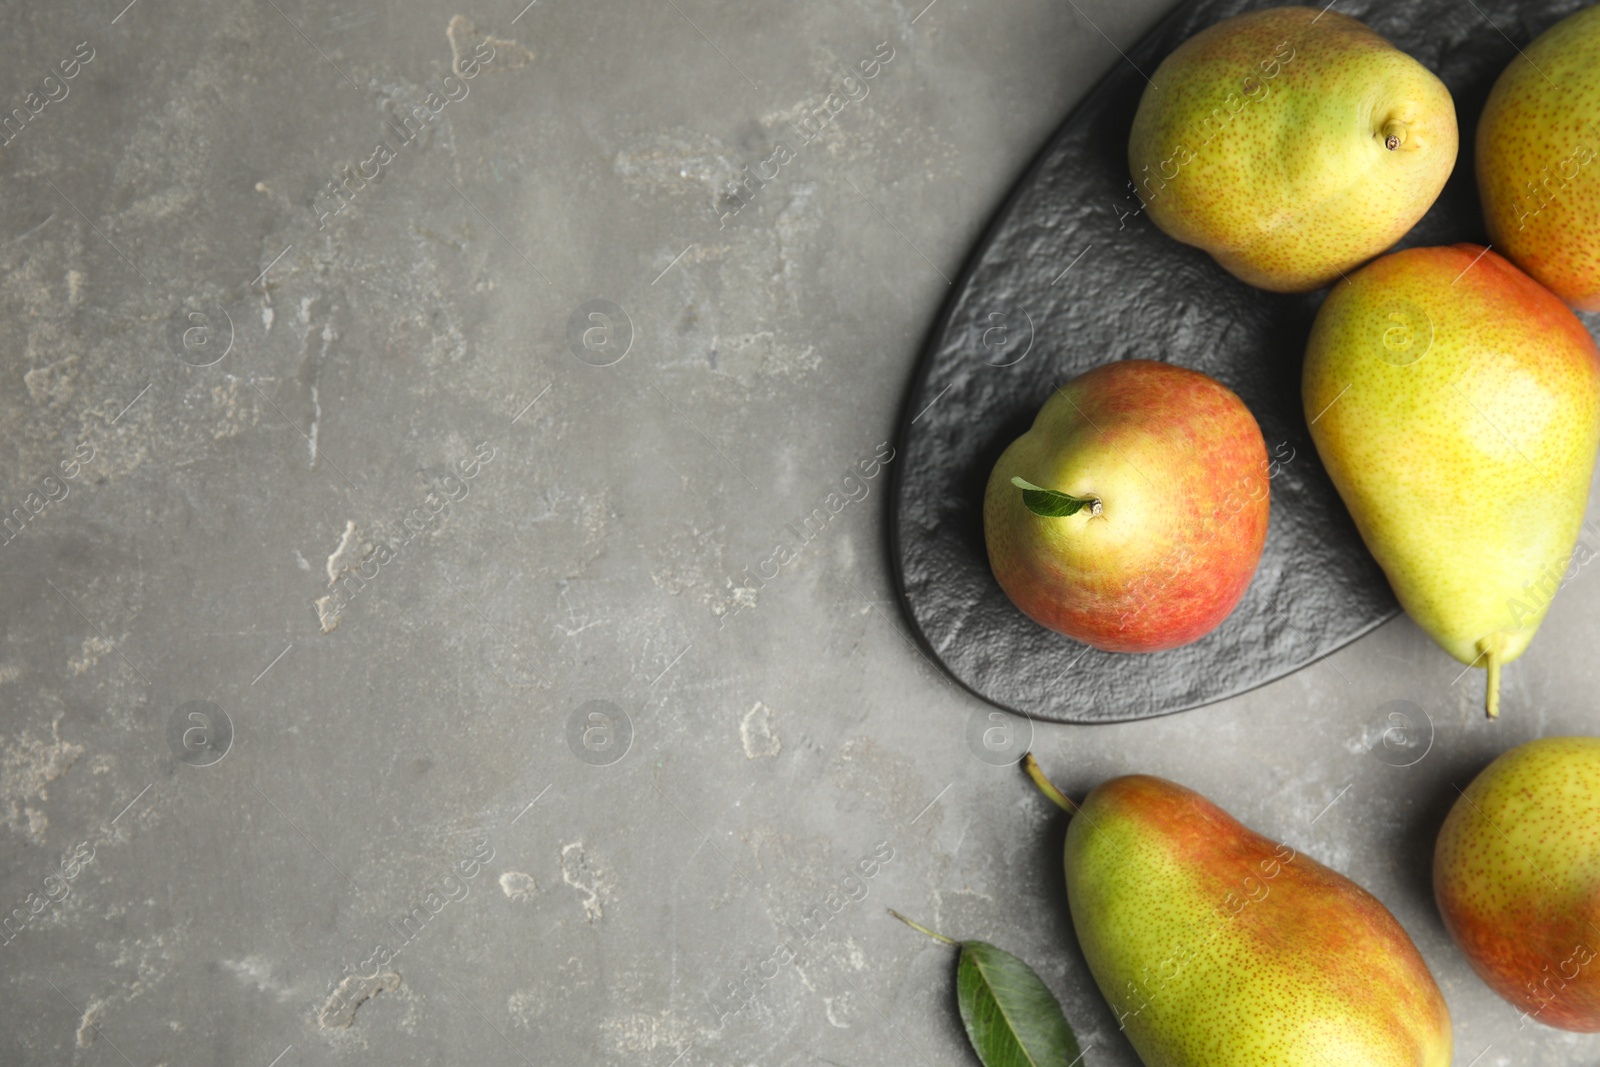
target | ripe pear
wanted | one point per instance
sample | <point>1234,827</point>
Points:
<point>1217,947</point>
<point>1132,515</point>
<point>1539,160</point>
<point>1456,405</point>
<point>1517,876</point>
<point>1291,144</point>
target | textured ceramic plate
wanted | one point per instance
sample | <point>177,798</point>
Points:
<point>1070,276</point>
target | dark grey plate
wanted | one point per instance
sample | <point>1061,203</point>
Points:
<point>1067,278</point>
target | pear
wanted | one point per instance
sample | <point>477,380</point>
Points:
<point>1132,514</point>
<point>1291,144</point>
<point>1217,947</point>
<point>1517,876</point>
<point>1539,160</point>
<point>1456,405</point>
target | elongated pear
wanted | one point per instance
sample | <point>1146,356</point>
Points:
<point>1456,405</point>
<point>1217,947</point>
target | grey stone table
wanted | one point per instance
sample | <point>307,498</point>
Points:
<point>391,455</point>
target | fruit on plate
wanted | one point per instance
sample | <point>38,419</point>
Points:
<point>1539,160</point>
<point>1517,876</point>
<point>1132,515</point>
<point>1291,144</point>
<point>1217,947</point>
<point>1456,404</point>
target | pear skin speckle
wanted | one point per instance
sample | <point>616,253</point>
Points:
<point>1539,160</point>
<point>1292,145</point>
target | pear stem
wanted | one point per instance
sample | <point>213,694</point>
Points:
<point>924,930</point>
<point>1046,786</point>
<point>1394,134</point>
<point>1491,652</point>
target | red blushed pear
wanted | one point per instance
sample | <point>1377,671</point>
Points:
<point>1218,947</point>
<point>1132,515</point>
<point>1517,876</point>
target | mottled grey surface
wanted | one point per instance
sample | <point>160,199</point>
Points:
<point>378,759</point>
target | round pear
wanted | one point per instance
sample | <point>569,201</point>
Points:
<point>1539,160</point>
<point>1291,144</point>
<point>1132,515</point>
<point>1517,877</point>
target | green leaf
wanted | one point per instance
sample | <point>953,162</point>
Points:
<point>1050,504</point>
<point>1011,1016</point>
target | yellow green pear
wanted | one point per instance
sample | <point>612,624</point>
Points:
<point>1517,876</point>
<point>1217,947</point>
<point>1456,405</point>
<point>1292,144</point>
<point>1539,159</point>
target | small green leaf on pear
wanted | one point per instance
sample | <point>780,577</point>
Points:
<point>1051,504</point>
<point>1011,1017</point>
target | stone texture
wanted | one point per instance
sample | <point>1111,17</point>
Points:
<point>274,827</point>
